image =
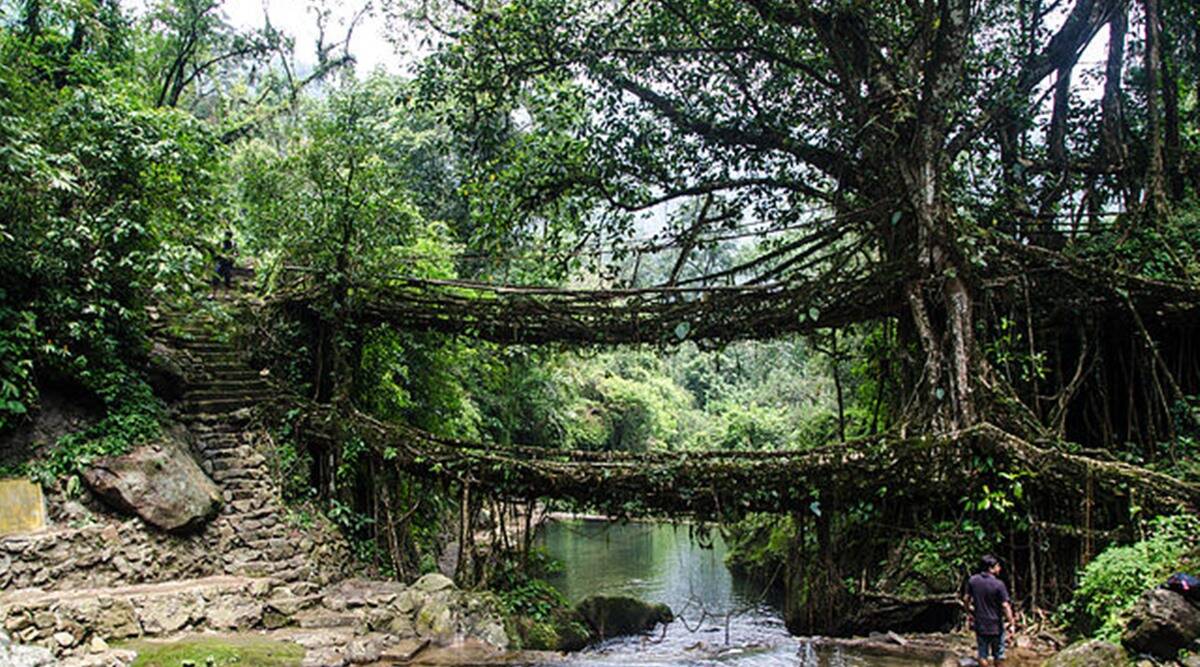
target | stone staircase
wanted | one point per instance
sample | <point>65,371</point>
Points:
<point>250,537</point>
<point>216,409</point>
<point>74,589</point>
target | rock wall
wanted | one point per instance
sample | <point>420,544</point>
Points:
<point>364,617</point>
<point>250,537</point>
<point>115,553</point>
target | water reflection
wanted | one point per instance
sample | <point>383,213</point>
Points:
<point>719,619</point>
<point>723,620</point>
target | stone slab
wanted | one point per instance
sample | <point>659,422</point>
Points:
<point>22,507</point>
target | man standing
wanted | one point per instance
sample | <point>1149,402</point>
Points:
<point>987,597</point>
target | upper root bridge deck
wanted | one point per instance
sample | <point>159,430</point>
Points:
<point>1050,283</point>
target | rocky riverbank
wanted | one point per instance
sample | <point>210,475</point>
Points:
<point>352,622</point>
<point>1163,626</point>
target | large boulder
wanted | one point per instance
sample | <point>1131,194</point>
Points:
<point>160,483</point>
<point>1091,653</point>
<point>1161,623</point>
<point>614,616</point>
<point>168,371</point>
<point>565,630</point>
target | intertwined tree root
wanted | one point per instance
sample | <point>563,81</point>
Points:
<point>712,484</point>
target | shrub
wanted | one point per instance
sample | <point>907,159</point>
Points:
<point>1113,582</point>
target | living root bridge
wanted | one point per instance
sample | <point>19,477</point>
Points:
<point>511,314</point>
<point>922,470</point>
<point>659,315</point>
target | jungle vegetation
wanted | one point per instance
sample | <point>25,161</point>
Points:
<point>992,206</point>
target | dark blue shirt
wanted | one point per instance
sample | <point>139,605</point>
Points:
<point>988,595</point>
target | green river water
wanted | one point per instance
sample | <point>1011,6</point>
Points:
<point>721,619</point>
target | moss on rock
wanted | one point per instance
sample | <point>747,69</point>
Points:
<point>226,650</point>
<point>613,616</point>
<point>564,631</point>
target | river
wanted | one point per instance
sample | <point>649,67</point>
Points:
<point>721,619</point>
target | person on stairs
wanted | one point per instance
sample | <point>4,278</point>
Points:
<point>225,261</point>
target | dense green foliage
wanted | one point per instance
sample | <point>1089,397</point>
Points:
<point>103,203</point>
<point>1111,584</point>
<point>560,143</point>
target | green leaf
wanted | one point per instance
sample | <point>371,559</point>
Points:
<point>682,329</point>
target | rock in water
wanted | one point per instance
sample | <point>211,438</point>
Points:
<point>620,615</point>
<point>160,483</point>
<point>1161,623</point>
<point>1091,653</point>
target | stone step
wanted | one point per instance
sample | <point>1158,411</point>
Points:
<point>240,373</point>
<point>290,605</point>
<point>222,392</point>
<point>125,612</point>
<point>236,456</point>
<point>203,348</point>
<point>248,500</point>
<point>321,618</point>
<point>228,370</point>
<point>243,380</point>
<point>205,342</point>
<point>221,437</point>
<point>259,482</point>
<point>217,429</point>
<point>262,486</point>
<point>227,453</point>
<point>217,407</point>
<point>222,360</point>
<point>242,477</point>
<point>230,422</point>
<point>232,495</point>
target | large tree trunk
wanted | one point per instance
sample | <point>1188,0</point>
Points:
<point>1155,198</point>
<point>1172,141</point>
<point>1115,151</point>
<point>948,344</point>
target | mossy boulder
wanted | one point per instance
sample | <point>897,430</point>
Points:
<point>1161,624</point>
<point>1091,653</point>
<point>566,630</point>
<point>614,616</point>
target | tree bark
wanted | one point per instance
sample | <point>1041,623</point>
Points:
<point>1172,140</point>
<point>1113,144</point>
<point>1154,199</point>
